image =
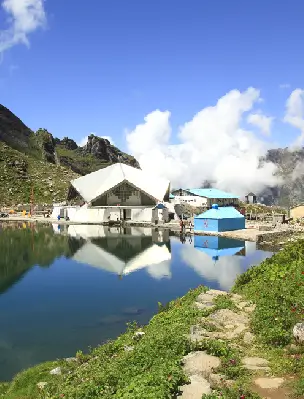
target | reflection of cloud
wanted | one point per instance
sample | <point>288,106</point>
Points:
<point>250,247</point>
<point>162,270</point>
<point>224,271</point>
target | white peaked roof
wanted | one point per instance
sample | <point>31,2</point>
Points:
<point>97,183</point>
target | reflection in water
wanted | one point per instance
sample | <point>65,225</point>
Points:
<point>65,294</point>
<point>23,246</point>
<point>124,254</point>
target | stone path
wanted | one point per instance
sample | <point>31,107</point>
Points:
<point>226,325</point>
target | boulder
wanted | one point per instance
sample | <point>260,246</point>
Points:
<point>298,332</point>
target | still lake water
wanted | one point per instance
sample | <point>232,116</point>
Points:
<point>65,288</point>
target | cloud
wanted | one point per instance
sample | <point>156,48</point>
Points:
<point>24,17</point>
<point>84,140</point>
<point>263,122</point>
<point>212,146</point>
<point>294,114</point>
<point>284,86</point>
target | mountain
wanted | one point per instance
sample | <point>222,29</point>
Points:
<point>37,160</point>
<point>290,169</point>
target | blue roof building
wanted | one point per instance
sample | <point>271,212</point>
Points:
<point>211,193</point>
<point>215,247</point>
<point>219,219</point>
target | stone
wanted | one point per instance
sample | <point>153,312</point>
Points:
<point>138,335</point>
<point>242,305</point>
<point>42,385</point>
<point>204,306</point>
<point>196,389</point>
<point>236,297</point>
<point>216,380</point>
<point>227,316</point>
<point>128,348</point>
<point>269,383</point>
<point>255,361</point>
<point>71,359</point>
<point>56,371</point>
<point>298,332</point>
<point>248,338</point>
<point>200,363</point>
<point>249,309</point>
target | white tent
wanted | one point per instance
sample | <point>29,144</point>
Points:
<point>95,184</point>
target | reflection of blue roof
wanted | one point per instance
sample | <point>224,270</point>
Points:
<point>210,193</point>
<point>218,246</point>
<point>224,212</point>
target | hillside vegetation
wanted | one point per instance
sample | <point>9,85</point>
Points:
<point>38,160</point>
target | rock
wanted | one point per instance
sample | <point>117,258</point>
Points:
<point>269,383</point>
<point>255,363</point>
<point>42,385</point>
<point>200,363</point>
<point>204,306</point>
<point>196,389</point>
<point>248,338</point>
<point>56,371</point>
<point>128,348</point>
<point>216,380</point>
<point>138,335</point>
<point>250,309</point>
<point>227,316</point>
<point>298,332</point>
<point>71,359</point>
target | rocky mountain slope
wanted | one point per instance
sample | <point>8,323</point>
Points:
<point>38,160</point>
<point>290,169</point>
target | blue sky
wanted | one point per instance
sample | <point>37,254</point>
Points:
<point>102,65</point>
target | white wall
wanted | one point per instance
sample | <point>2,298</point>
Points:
<point>99,215</point>
<point>193,200</point>
<point>142,214</point>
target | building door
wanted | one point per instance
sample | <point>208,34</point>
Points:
<point>126,214</point>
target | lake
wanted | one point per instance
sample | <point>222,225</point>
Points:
<point>65,288</point>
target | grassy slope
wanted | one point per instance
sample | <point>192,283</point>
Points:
<point>153,368</point>
<point>50,182</point>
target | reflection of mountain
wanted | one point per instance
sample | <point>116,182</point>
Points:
<point>125,252</point>
<point>23,246</point>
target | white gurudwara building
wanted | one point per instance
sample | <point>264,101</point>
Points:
<point>118,192</point>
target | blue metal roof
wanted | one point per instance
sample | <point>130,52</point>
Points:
<point>224,212</point>
<point>171,196</point>
<point>210,193</point>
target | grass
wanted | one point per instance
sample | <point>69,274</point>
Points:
<point>20,172</point>
<point>276,286</point>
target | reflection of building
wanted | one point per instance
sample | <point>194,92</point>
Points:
<point>204,197</point>
<point>219,219</point>
<point>118,192</point>
<point>216,247</point>
<point>125,253</point>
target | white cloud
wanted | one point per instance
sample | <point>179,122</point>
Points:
<point>24,17</point>
<point>212,146</point>
<point>284,86</point>
<point>263,122</point>
<point>84,140</point>
<point>294,114</point>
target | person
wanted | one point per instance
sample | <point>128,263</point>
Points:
<point>190,225</point>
